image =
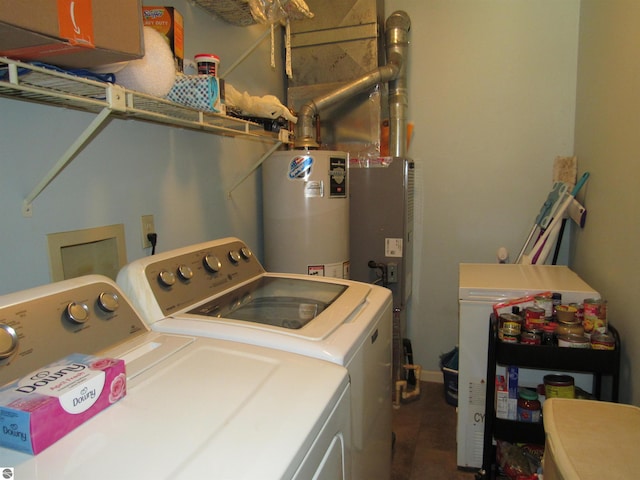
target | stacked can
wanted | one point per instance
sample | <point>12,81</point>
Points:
<point>595,316</point>
<point>510,327</point>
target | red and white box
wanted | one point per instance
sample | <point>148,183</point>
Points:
<point>40,408</point>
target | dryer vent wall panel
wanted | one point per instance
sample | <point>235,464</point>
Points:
<point>344,41</point>
<point>341,42</point>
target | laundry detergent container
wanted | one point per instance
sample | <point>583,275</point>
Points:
<point>590,440</point>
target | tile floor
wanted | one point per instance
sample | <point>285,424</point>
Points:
<point>425,446</point>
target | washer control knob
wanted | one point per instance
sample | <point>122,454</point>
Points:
<point>234,256</point>
<point>8,341</point>
<point>185,272</point>
<point>78,312</point>
<point>212,263</point>
<point>246,253</point>
<point>166,278</point>
<point>108,301</point>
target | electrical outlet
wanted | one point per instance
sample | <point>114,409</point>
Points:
<point>147,227</point>
<point>392,272</point>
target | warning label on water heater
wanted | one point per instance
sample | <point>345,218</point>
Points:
<point>314,189</point>
<point>338,177</point>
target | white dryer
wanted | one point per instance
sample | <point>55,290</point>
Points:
<point>195,407</point>
<point>219,289</point>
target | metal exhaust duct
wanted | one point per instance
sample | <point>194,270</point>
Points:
<point>396,29</point>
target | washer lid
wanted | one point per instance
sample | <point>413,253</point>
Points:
<point>279,301</point>
<point>212,409</point>
<point>308,308</point>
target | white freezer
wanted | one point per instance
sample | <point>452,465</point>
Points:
<point>480,287</point>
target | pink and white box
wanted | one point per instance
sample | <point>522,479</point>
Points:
<point>42,407</point>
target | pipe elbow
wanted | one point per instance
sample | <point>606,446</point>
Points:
<point>398,19</point>
<point>305,128</point>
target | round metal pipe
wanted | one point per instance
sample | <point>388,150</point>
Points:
<point>397,43</point>
<point>397,27</point>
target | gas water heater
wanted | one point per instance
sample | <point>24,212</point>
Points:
<point>306,212</point>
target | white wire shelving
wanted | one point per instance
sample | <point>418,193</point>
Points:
<point>23,81</point>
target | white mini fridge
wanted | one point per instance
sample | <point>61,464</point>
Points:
<point>480,287</point>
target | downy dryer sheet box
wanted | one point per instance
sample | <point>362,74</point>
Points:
<point>43,406</point>
<point>71,34</point>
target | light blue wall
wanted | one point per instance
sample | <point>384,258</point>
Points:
<point>607,124</point>
<point>492,95</point>
<point>133,168</point>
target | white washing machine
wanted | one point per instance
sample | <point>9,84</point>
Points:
<point>195,407</point>
<point>219,289</point>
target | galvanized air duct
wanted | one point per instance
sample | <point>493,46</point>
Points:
<point>397,29</point>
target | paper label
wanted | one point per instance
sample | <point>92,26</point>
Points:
<point>393,247</point>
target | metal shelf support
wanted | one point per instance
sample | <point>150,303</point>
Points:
<point>253,168</point>
<point>23,81</point>
<point>27,209</point>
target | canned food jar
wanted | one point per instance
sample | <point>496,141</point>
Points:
<point>530,338</point>
<point>510,320</point>
<point>595,315</point>
<point>509,335</point>
<point>546,304</point>
<point>529,406</point>
<point>603,341</point>
<point>573,341</point>
<point>579,311</point>
<point>559,386</point>
<point>566,313</point>
<point>573,328</point>
<point>534,316</point>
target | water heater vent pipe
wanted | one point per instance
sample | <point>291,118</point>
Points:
<point>397,28</point>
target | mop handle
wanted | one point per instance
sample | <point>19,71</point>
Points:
<point>580,183</point>
<point>538,246</point>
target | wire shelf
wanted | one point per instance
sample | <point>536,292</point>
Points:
<point>28,82</point>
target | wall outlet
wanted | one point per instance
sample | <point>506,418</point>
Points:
<point>147,227</point>
<point>392,272</point>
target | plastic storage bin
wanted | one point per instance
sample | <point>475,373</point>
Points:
<point>449,367</point>
<point>590,440</point>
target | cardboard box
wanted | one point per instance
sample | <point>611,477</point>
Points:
<point>502,397</point>
<point>42,407</point>
<point>512,390</point>
<point>71,34</point>
<point>168,21</point>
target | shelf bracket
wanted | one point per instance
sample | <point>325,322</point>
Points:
<point>27,209</point>
<point>254,167</point>
<point>245,54</point>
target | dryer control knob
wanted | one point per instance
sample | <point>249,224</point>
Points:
<point>166,278</point>
<point>108,301</point>
<point>234,256</point>
<point>78,312</point>
<point>211,263</point>
<point>185,272</point>
<point>246,253</point>
<point>8,340</point>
